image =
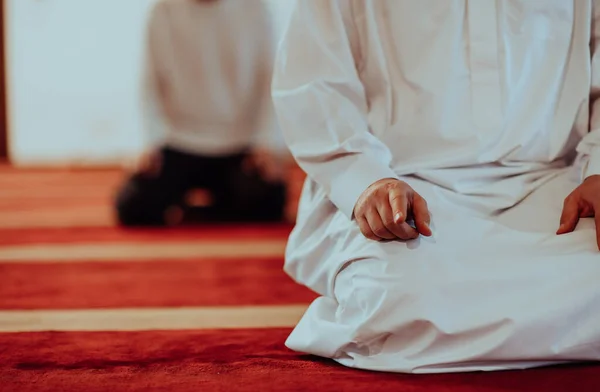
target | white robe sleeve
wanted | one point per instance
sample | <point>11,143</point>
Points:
<point>152,86</point>
<point>321,105</point>
<point>590,145</point>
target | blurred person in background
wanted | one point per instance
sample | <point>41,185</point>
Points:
<point>208,117</point>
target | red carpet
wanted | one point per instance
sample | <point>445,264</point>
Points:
<point>141,284</point>
<point>61,258</point>
<point>238,360</point>
<point>70,235</point>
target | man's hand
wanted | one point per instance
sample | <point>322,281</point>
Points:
<point>148,163</point>
<point>384,208</point>
<point>583,202</point>
<point>267,164</point>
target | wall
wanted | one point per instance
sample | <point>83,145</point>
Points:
<point>72,78</point>
<point>72,68</point>
<point>3,125</point>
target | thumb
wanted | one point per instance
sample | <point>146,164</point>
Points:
<point>569,217</point>
<point>421,215</point>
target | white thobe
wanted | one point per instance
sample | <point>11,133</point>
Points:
<point>207,79</point>
<point>487,108</point>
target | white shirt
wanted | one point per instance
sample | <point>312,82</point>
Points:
<point>207,77</point>
<point>370,89</point>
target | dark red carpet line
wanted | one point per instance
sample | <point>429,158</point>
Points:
<point>111,234</point>
<point>233,360</point>
<point>215,282</point>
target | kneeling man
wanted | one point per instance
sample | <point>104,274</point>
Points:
<point>209,118</point>
<point>445,144</point>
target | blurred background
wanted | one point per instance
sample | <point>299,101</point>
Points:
<point>72,98</point>
<point>146,196</point>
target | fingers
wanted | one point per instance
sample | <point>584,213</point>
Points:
<point>399,205</point>
<point>407,232</point>
<point>383,209</point>
<point>265,165</point>
<point>374,231</point>
<point>365,229</point>
<point>399,202</point>
<point>421,215</point>
<point>377,226</point>
<point>569,217</point>
<point>141,165</point>
<point>401,230</point>
<point>149,164</point>
<point>394,215</point>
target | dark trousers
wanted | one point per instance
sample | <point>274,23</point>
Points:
<point>237,196</point>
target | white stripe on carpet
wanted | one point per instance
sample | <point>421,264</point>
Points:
<point>142,251</point>
<point>144,319</point>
